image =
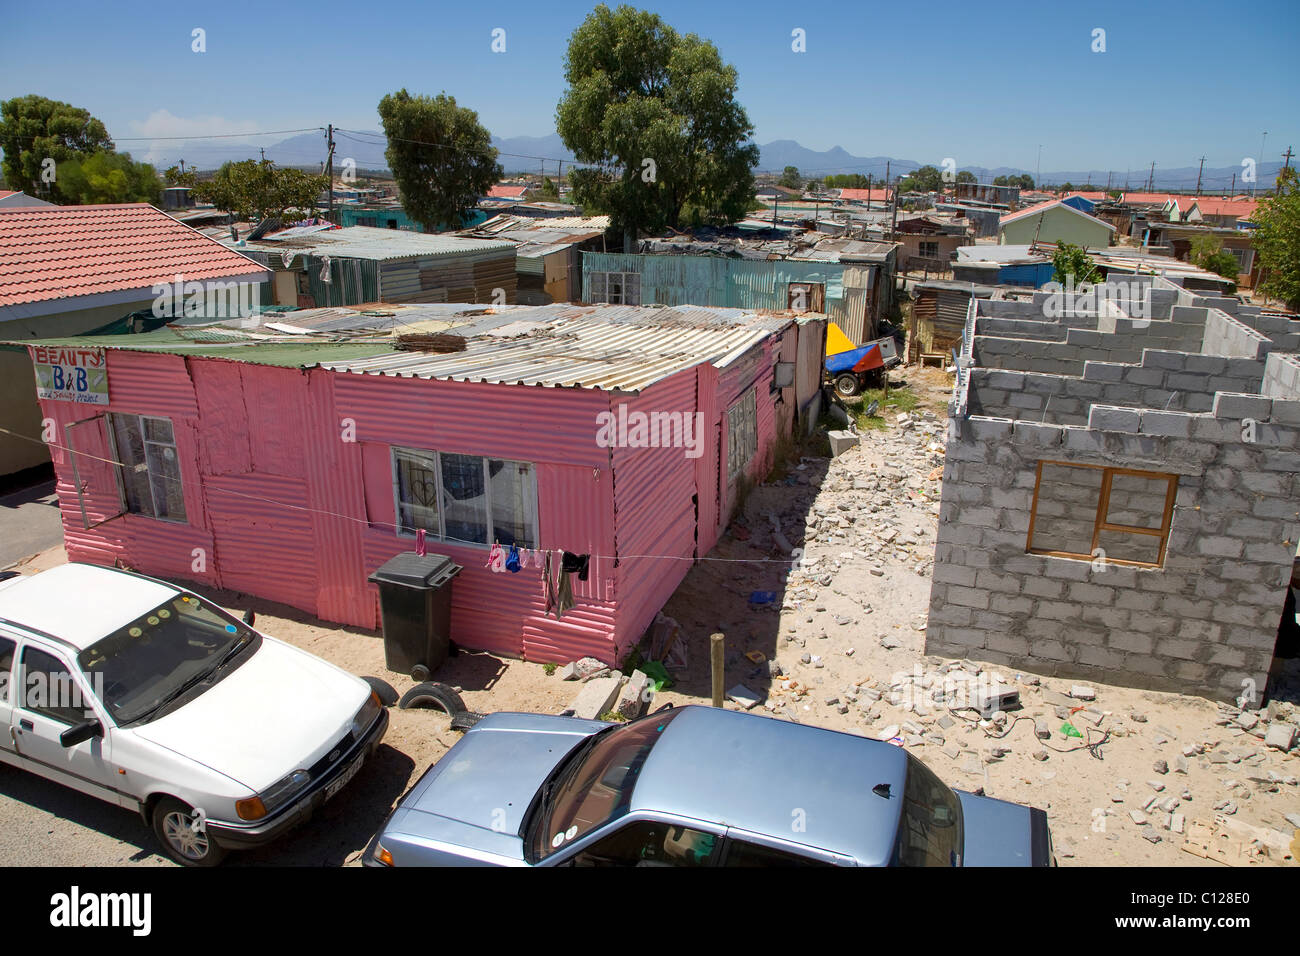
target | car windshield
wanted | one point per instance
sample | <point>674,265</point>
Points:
<point>595,784</point>
<point>930,829</point>
<point>153,659</point>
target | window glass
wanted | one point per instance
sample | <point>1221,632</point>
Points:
<point>514,502</point>
<point>150,467</point>
<point>930,827</point>
<point>417,490</point>
<point>6,667</point>
<point>48,688</point>
<point>464,499</point>
<point>741,853</point>
<point>651,843</point>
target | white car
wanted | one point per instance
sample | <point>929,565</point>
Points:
<point>148,696</point>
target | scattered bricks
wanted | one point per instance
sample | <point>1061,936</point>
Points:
<point>1155,785</point>
<point>1177,822</point>
<point>1082,692</point>
<point>1151,802</point>
<point>1150,835</point>
<point>1138,817</point>
<point>889,732</point>
<point>1041,729</point>
<point>1247,720</point>
<point>596,697</point>
<point>1280,735</point>
<point>743,696</point>
<point>1161,766</point>
<point>569,671</point>
<point>634,696</point>
<point>1040,754</point>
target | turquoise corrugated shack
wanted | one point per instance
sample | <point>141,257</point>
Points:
<point>850,293</point>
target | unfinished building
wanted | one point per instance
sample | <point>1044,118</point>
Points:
<point>1121,494</point>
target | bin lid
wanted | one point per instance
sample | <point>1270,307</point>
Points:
<point>412,570</point>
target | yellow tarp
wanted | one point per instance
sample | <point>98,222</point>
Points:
<point>837,341</point>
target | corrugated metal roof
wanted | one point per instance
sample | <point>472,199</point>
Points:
<point>368,242</point>
<point>618,348</point>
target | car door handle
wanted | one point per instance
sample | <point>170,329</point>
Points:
<point>26,725</point>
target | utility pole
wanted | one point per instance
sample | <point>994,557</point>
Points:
<point>329,171</point>
<point>182,166</point>
<point>263,152</point>
<point>1151,180</point>
<point>893,222</point>
<point>868,192</point>
<point>1287,156</point>
<point>1108,183</point>
<point>1234,186</point>
<point>1198,176</point>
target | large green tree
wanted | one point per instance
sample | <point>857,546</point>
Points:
<point>34,129</point>
<point>106,177</point>
<point>1277,240</point>
<point>966,176</point>
<point>440,155</point>
<point>790,178</point>
<point>653,115</point>
<point>255,189</point>
<point>927,179</point>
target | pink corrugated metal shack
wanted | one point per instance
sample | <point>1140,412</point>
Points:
<point>289,461</point>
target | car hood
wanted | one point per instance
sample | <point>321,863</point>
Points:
<point>999,833</point>
<point>476,796</point>
<point>280,710</point>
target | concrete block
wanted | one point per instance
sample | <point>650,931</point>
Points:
<point>1169,424</point>
<point>634,696</point>
<point>596,697</point>
<point>1114,419</point>
<point>842,441</point>
<point>1281,735</point>
<point>1237,405</point>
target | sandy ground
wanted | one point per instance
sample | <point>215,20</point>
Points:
<point>859,633</point>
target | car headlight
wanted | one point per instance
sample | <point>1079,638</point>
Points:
<point>279,792</point>
<point>366,715</point>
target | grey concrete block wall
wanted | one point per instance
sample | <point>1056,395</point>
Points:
<point>1281,376</point>
<point>1202,623</point>
<point>1228,335</point>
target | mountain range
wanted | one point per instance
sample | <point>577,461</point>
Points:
<point>544,153</point>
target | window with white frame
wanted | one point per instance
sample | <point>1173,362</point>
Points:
<point>929,249</point>
<point>742,434</point>
<point>465,499</point>
<point>149,469</point>
<point>616,288</point>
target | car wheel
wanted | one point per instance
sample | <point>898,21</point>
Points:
<point>433,694</point>
<point>847,385</point>
<point>173,824</point>
<point>465,719</point>
<point>388,695</point>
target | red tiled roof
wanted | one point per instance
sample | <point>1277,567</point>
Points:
<point>507,192</point>
<point>7,192</point>
<point>1094,197</point>
<point>875,195</point>
<point>1213,206</point>
<point>1183,201</point>
<point>56,252</point>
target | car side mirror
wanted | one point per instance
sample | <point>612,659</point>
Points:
<point>249,617</point>
<point>79,733</point>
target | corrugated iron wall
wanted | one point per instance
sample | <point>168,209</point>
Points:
<point>715,281</point>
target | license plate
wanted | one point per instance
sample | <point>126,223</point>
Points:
<point>344,778</point>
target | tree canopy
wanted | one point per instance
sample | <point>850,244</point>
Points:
<point>966,176</point>
<point>848,181</point>
<point>106,177</point>
<point>441,156</point>
<point>927,179</point>
<point>653,115</point>
<point>34,129</point>
<point>790,178</point>
<point>1277,240</point>
<point>1071,260</point>
<point>255,189</point>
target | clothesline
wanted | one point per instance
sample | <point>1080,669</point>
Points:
<point>398,528</point>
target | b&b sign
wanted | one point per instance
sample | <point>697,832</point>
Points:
<point>71,375</point>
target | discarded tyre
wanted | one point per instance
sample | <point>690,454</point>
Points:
<point>465,720</point>
<point>388,695</point>
<point>433,694</point>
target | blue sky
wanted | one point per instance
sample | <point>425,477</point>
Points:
<point>984,83</point>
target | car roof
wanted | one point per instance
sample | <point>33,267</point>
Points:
<point>807,785</point>
<point>79,603</point>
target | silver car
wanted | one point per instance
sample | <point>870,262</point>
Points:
<point>694,786</point>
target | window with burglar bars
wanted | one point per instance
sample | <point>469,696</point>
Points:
<point>929,250</point>
<point>742,434</point>
<point>465,499</point>
<point>1089,512</point>
<point>149,466</point>
<point>616,288</point>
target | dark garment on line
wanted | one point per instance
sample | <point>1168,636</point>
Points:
<point>575,562</point>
